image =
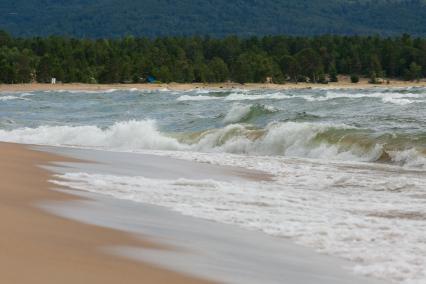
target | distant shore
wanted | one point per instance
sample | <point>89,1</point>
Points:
<point>343,83</point>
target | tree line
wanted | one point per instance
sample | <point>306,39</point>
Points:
<point>279,59</point>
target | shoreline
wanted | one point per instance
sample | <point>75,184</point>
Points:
<point>52,249</point>
<point>342,84</point>
<point>226,253</point>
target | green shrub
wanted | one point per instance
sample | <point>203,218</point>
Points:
<point>373,78</point>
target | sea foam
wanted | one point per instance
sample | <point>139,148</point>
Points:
<point>196,98</point>
<point>290,139</point>
<point>363,214</point>
<point>243,112</point>
<point>128,135</point>
<point>399,98</point>
<point>386,97</point>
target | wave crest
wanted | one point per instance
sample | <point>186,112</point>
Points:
<point>292,139</point>
<point>243,113</point>
<point>128,135</point>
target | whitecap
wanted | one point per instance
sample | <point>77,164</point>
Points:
<point>253,97</point>
<point>385,97</point>
<point>290,139</point>
<point>236,113</point>
<point>9,98</point>
<point>128,135</point>
<point>196,98</point>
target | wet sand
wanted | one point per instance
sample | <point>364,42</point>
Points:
<point>205,249</point>
<point>38,247</point>
<point>57,235</point>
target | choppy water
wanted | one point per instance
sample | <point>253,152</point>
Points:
<point>350,165</point>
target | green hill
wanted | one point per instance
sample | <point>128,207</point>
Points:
<point>112,18</point>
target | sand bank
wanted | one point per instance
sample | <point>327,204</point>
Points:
<point>37,247</point>
<point>343,83</point>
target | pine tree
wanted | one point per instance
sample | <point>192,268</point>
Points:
<point>413,72</point>
<point>333,74</point>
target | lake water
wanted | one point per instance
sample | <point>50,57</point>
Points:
<point>349,166</point>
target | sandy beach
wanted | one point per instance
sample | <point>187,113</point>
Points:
<point>344,82</point>
<point>201,248</point>
<point>58,235</point>
<point>41,248</point>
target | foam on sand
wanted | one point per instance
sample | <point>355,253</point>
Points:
<point>366,215</point>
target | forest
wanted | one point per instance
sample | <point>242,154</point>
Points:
<point>205,59</point>
<point>219,18</point>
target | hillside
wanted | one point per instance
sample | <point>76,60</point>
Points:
<point>112,18</point>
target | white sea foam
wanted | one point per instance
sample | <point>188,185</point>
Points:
<point>129,135</point>
<point>409,158</point>
<point>291,139</point>
<point>100,91</point>
<point>210,91</point>
<point>368,216</point>
<point>9,98</point>
<point>196,98</point>
<point>236,113</point>
<point>236,95</point>
<point>252,97</point>
<point>240,112</point>
<point>201,91</point>
<point>386,97</point>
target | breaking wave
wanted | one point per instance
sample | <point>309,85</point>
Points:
<point>243,96</point>
<point>386,97</point>
<point>397,98</point>
<point>11,98</point>
<point>292,139</point>
<point>129,135</point>
<point>243,113</point>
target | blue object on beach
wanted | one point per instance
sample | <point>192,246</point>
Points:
<point>151,79</point>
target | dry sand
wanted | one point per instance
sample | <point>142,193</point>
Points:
<point>37,247</point>
<point>343,83</point>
